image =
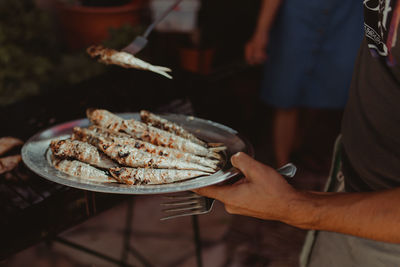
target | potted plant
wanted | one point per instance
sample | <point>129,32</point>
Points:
<point>87,22</point>
<point>197,54</point>
<point>196,57</point>
<point>32,59</point>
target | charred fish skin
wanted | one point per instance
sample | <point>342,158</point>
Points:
<point>167,152</point>
<point>169,126</point>
<point>108,133</point>
<point>81,151</point>
<point>9,163</point>
<point>129,156</point>
<point>82,170</point>
<point>95,134</point>
<point>7,143</point>
<point>85,135</point>
<point>104,118</point>
<point>163,138</point>
<point>152,176</point>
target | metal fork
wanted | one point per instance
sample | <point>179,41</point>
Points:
<point>141,41</point>
<point>189,203</point>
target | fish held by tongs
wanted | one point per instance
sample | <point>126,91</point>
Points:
<point>125,60</point>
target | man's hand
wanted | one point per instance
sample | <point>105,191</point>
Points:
<point>255,49</point>
<point>263,193</point>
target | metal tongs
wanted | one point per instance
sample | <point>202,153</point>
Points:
<point>141,41</point>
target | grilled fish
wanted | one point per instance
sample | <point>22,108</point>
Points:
<point>169,126</point>
<point>105,119</point>
<point>7,143</point>
<point>166,125</point>
<point>152,176</point>
<point>81,151</point>
<point>133,157</point>
<point>82,170</point>
<point>123,59</point>
<point>94,134</point>
<point>9,163</point>
<point>147,133</point>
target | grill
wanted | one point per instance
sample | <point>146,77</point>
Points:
<point>33,209</point>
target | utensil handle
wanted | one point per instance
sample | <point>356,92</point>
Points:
<point>288,170</point>
<point>160,18</point>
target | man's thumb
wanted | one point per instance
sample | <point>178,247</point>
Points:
<point>244,163</point>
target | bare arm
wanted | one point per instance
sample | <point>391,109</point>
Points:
<point>266,195</point>
<point>268,11</point>
<point>374,215</point>
<point>256,46</point>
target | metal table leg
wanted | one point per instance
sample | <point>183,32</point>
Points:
<point>127,236</point>
<point>197,241</point>
<point>127,231</point>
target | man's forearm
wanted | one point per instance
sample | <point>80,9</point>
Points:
<point>374,215</point>
<point>269,9</point>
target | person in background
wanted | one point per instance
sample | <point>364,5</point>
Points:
<point>358,218</point>
<point>312,46</point>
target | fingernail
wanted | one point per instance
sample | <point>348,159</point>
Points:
<point>235,157</point>
<point>237,154</point>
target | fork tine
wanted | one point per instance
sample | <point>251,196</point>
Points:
<point>185,204</point>
<point>179,203</point>
<point>189,203</point>
<point>182,197</point>
<point>136,45</point>
<point>185,208</point>
<point>183,214</point>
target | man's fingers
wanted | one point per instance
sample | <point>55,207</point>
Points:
<point>251,168</point>
<point>244,163</point>
<point>248,52</point>
<point>219,192</point>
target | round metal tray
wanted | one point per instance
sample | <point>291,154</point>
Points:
<point>35,156</point>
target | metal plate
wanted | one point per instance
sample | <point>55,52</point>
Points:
<point>35,156</point>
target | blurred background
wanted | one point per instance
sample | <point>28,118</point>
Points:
<point>46,78</point>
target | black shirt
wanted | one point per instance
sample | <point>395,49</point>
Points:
<point>371,123</point>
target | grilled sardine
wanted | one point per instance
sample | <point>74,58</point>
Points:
<point>133,157</point>
<point>152,176</point>
<point>147,133</point>
<point>123,59</point>
<point>82,170</point>
<point>81,151</point>
<point>7,143</point>
<point>94,134</point>
<point>169,126</point>
<point>9,163</point>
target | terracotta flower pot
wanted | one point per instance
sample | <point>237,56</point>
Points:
<point>197,60</point>
<point>83,26</point>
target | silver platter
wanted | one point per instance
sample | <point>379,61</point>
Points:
<point>35,154</point>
